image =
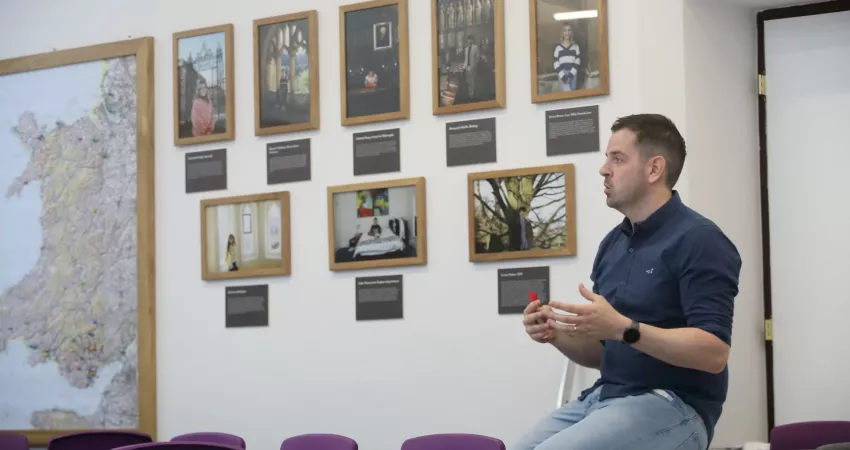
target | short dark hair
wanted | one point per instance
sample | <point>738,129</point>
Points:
<point>656,135</point>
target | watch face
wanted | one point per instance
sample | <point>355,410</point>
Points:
<point>631,335</point>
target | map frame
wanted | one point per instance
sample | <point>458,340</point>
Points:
<point>142,49</point>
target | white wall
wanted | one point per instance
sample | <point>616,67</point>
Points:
<point>379,382</point>
<point>723,157</point>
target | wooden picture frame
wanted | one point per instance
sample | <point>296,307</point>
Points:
<point>196,121</point>
<point>120,79</point>
<point>375,80</point>
<point>455,90</point>
<point>280,109</point>
<point>262,244</point>
<point>532,236</point>
<point>398,207</point>
<point>589,28</point>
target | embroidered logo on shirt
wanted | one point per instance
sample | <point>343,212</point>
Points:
<point>650,270</point>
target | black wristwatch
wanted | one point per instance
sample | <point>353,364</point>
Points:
<point>632,333</point>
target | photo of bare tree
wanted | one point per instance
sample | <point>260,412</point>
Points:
<point>522,213</point>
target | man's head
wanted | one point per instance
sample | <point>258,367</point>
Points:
<point>645,156</point>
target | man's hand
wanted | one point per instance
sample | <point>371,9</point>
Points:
<point>534,319</point>
<point>597,320</point>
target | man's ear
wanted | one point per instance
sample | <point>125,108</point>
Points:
<point>657,165</point>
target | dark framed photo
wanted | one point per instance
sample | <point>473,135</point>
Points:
<point>467,55</point>
<point>522,213</point>
<point>377,224</point>
<point>203,85</point>
<point>569,49</point>
<point>286,73</point>
<point>245,236</point>
<point>374,65</point>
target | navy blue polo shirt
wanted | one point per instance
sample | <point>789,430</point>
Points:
<point>675,269</point>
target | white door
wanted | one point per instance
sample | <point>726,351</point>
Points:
<point>807,68</point>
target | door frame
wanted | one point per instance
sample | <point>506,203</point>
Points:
<point>810,9</point>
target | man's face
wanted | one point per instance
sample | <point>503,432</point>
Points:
<point>625,173</point>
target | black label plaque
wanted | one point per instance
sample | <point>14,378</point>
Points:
<point>379,297</point>
<point>573,130</point>
<point>247,306</point>
<point>471,142</point>
<point>377,152</point>
<point>206,171</point>
<point>516,284</point>
<point>287,162</point>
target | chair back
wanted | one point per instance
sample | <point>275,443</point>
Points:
<point>453,441</point>
<point>14,441</point>
<point>211,437</point>
<point>809,435</point>
<point>97,440</point>
<point>319,442</point>
<point>179,446</point>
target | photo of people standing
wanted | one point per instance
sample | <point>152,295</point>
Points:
<point>284,73</point>
<point>466,56</point>
<point>568,47</point>
<point>522,213</point>
<point>201,79</point>
<point>372,60</point>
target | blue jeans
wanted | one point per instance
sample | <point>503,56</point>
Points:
<point>658,420</point>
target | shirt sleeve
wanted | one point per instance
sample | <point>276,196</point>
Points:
<point>708,281</point>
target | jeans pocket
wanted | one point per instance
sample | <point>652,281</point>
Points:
<point>691,443</point>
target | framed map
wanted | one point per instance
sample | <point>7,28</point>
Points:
<point>77,289</point>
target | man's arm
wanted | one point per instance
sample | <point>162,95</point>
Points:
<point>708,271</point>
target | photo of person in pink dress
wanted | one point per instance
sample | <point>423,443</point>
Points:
<point>203,112</point>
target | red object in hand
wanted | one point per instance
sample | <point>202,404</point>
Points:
<point>532,296</point>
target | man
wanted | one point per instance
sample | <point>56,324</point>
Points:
<point>470,64</point>
<point>375,230</point>
<point>526,234</point>
<point>658,323</point>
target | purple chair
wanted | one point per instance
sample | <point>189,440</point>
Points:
<point>13,441</point>
<point>319,442</point>
<point>212,438</point>
<point>809,435</point>
<point>456,441</point>
<point>179,446</point>
<point>97,440</point>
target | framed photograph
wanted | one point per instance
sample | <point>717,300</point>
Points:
<point>246,236</point>
<point>569,49</point>
<point>373,56</point>
<point>203,85</point>
<point>286,74</point>
<point>522,213</point>
<point>377,224</point>
<point>467,55</point>
<point>78,292</point>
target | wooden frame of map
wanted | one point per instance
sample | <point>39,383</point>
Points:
<point>522,213</point>
<point>455,89</point>
<point>583,58</point>
<point>202,62</point>
<point>245,236</point>
<point>374,68</point>
<point>281,105</point>
<point>97,331</point>
<point>393,215</point>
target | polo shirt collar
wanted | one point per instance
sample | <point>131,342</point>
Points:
<point>656,219</point>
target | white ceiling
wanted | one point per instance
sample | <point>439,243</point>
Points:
<point>766,4</point>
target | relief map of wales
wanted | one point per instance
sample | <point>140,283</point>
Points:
<point>68,247</point>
